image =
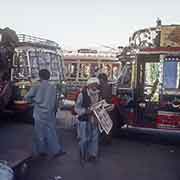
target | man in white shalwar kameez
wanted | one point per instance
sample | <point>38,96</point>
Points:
<point>88,125</point>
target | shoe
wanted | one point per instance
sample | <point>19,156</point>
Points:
<point>92,158</point>
<point>36,156</point>
<point>82,162</point>
<point>43,155</point>
<point>60,153</point>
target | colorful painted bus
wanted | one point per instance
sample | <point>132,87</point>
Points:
<point>148,89</point>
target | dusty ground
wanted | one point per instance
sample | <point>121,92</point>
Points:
<point>126,159</point>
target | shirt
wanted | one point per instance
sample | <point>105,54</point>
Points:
<point>43,97</point>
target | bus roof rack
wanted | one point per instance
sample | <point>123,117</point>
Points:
<point>27,39</point>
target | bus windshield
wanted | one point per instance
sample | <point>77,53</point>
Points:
<point>28,64</point>
<point>45,60</point>
<point>125,76</point>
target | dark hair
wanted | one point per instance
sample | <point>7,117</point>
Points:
<point>103,76</point>
<point>44,74</point>
<point>5,76</point>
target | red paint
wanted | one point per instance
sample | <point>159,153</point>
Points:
<point>131,117</point>
<point>72,96</point>
<point>168,121</point>
<point>117,101</point>
<point>21,107</point>
<point>168,49</point>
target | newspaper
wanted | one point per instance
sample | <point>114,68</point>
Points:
<point>105,122</point>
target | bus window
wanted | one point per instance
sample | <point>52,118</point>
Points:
<point>20,66</point>
<point>93,69</point>
<point>67,70</point>
<point>44,60</point>
<point>73,70</point>
<point>115,72</point>
<point>151,83</point>
<point>125,76</point>
<point>107,69</point>
<point>85,71</point>
<point>171,75</point>
<point>61,67</point>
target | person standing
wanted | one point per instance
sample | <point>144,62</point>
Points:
<point>118,113</point>
<point>43,97</point>
<point>5,91</point>
<point>88,125</point>
<point>105,88</point>
<point>106,94</point>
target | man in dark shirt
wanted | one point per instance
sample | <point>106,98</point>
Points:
<point>105,88</point>
<point>106,94</point>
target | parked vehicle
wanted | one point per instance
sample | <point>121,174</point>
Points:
<point>85,63</point>
<point>22,59</point>
<point>148,89</point>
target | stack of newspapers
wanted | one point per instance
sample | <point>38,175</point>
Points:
<point>100,110</point>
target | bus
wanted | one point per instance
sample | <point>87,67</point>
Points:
<point>147,92</point>
<point>85,63</point>
<point>27,55</point>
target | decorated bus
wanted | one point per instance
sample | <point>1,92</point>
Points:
<point>147,92</point>
<point>21,58</point>
<point>85,63</point>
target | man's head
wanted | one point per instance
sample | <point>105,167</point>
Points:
<point>93,83</point>
<point>102,78</point>
<point>44,74</point>
<point>5,77</point>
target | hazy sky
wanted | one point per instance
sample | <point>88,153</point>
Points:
<point>86,23</point>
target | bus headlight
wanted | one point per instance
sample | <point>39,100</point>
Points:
<point>142,105</point>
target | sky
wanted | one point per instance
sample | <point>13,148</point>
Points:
<point>86,23</point>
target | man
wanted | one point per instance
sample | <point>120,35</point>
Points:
<point>43,97</point>
<point>88,125</point>
<point>5,90</point>
<point>106,94</point>
<point>105,88</point>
